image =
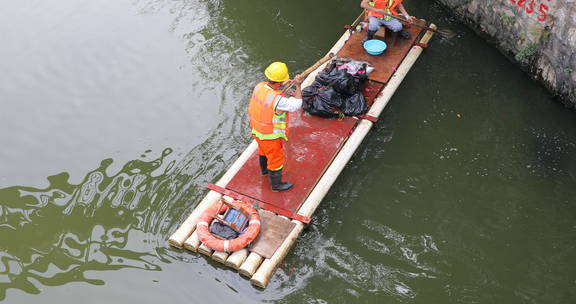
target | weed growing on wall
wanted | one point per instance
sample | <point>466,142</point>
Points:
<point>507,19</point>
<point>527,52</point>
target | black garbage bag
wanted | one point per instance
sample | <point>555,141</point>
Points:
<point>335,92</point>
<point>322,101</point>
<point>346,84</point>
<point>342,81</point>
<point>326,77</point>
<point>355,105</point>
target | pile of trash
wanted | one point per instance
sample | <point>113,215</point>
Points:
<point>337,90</point>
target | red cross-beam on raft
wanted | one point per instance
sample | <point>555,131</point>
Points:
<point>263,205</point>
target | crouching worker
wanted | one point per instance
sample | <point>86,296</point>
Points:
<point>380,13</point>
<point>268,111</point>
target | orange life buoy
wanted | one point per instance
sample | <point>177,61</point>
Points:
<point>238,243</point>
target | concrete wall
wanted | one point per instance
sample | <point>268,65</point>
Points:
<point>538,34</point>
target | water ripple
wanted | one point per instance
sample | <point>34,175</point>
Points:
<point>105,212</point>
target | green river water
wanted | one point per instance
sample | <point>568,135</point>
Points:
<point>115,114</point>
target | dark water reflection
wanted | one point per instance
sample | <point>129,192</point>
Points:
<point>56,235</point>
<point>53,236</point>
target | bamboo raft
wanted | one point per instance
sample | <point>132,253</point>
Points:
<point>287,213</point>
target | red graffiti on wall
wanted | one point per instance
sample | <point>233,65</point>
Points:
<point>529,6</point>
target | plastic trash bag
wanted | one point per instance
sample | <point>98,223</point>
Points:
<point>357,67</point>
<point>340,80</point>
<point>336,92</point>
<point>328,76</point>
<point>345,83</point>
<point>322,101</point>
<point>355,105</point>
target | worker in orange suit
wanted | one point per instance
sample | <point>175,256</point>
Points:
<point>268,111</point>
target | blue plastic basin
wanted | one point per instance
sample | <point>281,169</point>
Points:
<point>375,46</point>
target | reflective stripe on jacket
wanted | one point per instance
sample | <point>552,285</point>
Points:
<point>388,5</point>
<point>265,123</point>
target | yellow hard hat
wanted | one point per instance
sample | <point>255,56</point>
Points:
<point>277,71</point>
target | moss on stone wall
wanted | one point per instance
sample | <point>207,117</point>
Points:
<point>526,54</point>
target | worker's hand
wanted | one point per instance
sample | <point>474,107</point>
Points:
<point>410,19</point>
<point>298,79</point>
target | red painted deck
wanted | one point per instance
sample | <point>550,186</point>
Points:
<point>315,141</point>
<point>385,65</point>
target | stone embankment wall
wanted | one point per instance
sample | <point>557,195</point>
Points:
<point>540,35</point>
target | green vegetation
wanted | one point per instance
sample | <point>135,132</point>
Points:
<point>527,52</point>
<point>568,70</point>
<point>545,36</point>
<point>507,19</point>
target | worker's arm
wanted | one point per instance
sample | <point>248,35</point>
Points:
<point>365,5</point>
<point>294,102</point>
<point>298,83</point>
<point>288,104</point>
<point>405,13</point>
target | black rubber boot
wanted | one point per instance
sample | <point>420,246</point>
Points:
<point>276,181</point>
<point>369,36</point>
<point>263,165</point>
<point>404,34</point>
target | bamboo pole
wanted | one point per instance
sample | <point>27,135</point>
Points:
<point>203,249</point>
<point>220,256</point>
<point>250,265</point>
<point>268,267</point>
<point>185,230</point>
<point>236,258</point>
<point>193,242</point>
<point>262,277</point>
<point>338,164</point>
